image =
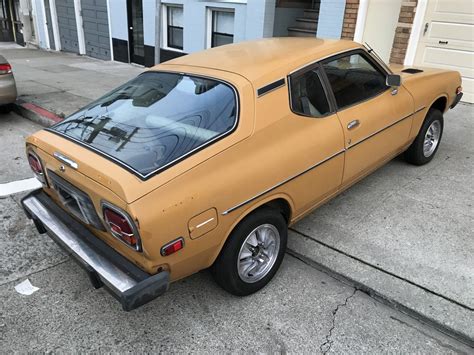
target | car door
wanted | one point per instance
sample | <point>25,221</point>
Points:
<point>376,119</point>
<point>319,140</point>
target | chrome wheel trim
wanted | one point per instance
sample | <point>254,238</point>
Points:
<point>431,140</point>
<point>258,253</point>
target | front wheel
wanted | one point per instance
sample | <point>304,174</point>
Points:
<point>253,253</point>
<point>426,144</point>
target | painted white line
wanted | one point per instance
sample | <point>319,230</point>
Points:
<point>14,187</point>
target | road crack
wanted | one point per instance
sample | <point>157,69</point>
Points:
<point>326,346</point>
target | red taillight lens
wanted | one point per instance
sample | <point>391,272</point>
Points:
<point>122,227</point>
<point>36,166</point>
<point>5,68</point>
<point>172,247</point>
<point>459,90</point>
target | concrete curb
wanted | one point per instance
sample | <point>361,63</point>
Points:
<point>36,113</point>
<point>440,314</point>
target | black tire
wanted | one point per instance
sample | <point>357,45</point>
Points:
<point>414,154</point>
<point>225,269</point>
<point>6,108</point>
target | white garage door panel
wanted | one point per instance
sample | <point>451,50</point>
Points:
<point>458,32</point>
<point>468,89</point>
<point>454,10</point>
<point>462,61</point>
<point>448,41</point>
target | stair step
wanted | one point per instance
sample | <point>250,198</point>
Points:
<point>301,32</point>
<point>309,24</point>
<point>305,19</point>
<point>311,14</point>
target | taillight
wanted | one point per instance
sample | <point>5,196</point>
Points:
<point>172,247</point>
<point>5,68</point>
<point>459,90</point>
<point>121,226</point>
<point>36,166</point>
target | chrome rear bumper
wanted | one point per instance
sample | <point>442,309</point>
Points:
<point>129,284</point>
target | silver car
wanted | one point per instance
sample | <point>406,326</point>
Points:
<point>7,83</point>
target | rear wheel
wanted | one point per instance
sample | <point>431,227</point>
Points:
<point>253,253</point>
<point>6,108</point>
<point>426,144</point>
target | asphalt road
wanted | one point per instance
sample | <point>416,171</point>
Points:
<point>302,310</point>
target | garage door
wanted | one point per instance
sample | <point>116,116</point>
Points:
<point>447,40</point>
<point>96,28</point>
<point>67,25</point>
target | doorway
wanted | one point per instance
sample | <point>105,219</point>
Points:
<point>17,24</point>
<point>380,25</point>
<point>6,29</point>
<point>136,44</point>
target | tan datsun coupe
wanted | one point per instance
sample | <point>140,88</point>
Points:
<point>204,161</point>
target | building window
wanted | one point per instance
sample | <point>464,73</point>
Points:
<point>222,27</point>
<point>173,27</point>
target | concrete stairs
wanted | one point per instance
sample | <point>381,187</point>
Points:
<point>306,26</point>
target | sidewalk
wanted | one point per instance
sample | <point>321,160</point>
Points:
<point>61,83</point>
<point>402,235</point>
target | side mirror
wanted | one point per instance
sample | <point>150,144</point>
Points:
<point>393,80</point>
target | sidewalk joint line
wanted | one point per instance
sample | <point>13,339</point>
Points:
<point>384,271</point>
<point>380,297</point>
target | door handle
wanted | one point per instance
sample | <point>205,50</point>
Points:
<point>443,42</point>
<point>353,124</point>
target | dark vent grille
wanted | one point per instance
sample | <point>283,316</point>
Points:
<point>412,71</point>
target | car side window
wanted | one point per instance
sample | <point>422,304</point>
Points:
<point>307,94</point>
<point>353,79</point>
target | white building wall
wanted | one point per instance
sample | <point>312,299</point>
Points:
<point>118,19</point>
<point>149,23</point>
<point>331,18</point>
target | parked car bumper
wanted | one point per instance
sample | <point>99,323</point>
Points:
<point>8,91</point>
<point>456,100</point>
<point>128,283</point>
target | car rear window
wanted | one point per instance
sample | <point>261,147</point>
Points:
<point>155,120</point>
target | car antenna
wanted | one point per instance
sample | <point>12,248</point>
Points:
<point>370,50</point>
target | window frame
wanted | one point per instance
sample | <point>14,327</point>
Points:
<point>165,26</point>
<point>210,25</point>
<point>130,169</point>
<point>348,53</point>
<point>324,82</point>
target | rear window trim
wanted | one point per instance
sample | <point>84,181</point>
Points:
<point>145,177</point>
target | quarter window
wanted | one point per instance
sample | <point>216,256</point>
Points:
<point>307,94</point>
<point>353,79</point>
<point>222,27</point>
<point>174,30</point>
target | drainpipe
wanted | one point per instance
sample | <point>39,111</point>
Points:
<point>158,31</point>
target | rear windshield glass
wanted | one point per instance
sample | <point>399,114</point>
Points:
<point>155,119</point>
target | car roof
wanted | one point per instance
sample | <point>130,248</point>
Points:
<point>261,58</point>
